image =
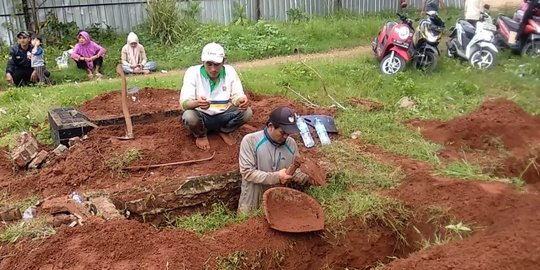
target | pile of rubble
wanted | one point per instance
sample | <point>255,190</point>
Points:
<point>27,155</point>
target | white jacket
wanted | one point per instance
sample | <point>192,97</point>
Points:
<point>226,91</point>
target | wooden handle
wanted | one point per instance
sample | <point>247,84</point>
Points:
<point>134,168</point>
<point>291,169</point>
<point>125,109</point>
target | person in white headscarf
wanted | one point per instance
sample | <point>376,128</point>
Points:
<point>134,57</point>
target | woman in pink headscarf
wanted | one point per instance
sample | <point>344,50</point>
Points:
<point>88,55</point>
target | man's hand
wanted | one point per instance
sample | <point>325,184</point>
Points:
<point>9,79</point>
<point>243,103</point>
<point>34,76</point>
<point>284,178</point>
<point>202,103</point>
<point>133,66</point>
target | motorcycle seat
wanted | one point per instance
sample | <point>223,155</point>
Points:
<point>468,28</point>
<point>512,25</point>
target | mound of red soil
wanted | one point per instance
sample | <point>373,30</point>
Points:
<point>85,166</point>
<point>148,100</point>
<point>504,223</point>
<point>498,128</point>
<point>132,245</point>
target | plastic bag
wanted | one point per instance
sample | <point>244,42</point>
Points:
<point>62,61</point>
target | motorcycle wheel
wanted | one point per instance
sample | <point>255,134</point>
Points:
<point>428,62</point>
<point>531,49</point>
<point>483,58</point>
<point>391,65</point>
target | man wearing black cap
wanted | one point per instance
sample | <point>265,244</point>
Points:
<point>265,156</point>
<point>19,70</point>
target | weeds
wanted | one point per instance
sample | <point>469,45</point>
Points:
<point>465,170</point>
<point>218,217</point>
<point>34,229</point>
<point>119,161</point>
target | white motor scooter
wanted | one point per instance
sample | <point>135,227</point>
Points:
<point>476,44</point>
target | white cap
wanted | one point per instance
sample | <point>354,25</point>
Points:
<point>213,52</point>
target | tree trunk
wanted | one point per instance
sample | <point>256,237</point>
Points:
<point>35,20</point>
<point>258,10</point>
<point>26,14</point>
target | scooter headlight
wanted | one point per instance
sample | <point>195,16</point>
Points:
<point>403,32</point>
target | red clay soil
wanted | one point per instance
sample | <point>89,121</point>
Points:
<point>499,134</point>
<point>289,210</point>
<point>148,100</point>
<point>84,167</point>
<point>505,222</point>
<point>5,164</point>
<point>128,244</point>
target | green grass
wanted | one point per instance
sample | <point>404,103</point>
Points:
<point>218,217</point>
<point>121,160</point>
<point>464,170</point>
<point>34,229</point>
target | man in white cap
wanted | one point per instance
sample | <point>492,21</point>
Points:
<point>212,98</point>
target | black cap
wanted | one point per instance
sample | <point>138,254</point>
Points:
<point>24,34</point>
<point>284,118</point>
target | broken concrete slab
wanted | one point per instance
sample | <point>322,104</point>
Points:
<point>73,141</point>
<point>62,205</point>
<point>40,158</point>
<point>61,219</point>
<point>26,149</point>
<point>60,149</point>
<point>10,213</point>
<point>105,208</point>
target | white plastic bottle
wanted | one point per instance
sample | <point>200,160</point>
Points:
<point>321,132</point>
<point>304,132</point>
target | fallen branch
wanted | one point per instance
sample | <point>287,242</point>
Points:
<point>306,100</point>
<point>324,86</point>
<point>134,168</point>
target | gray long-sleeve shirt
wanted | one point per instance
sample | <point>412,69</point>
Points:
<point>260,160</point>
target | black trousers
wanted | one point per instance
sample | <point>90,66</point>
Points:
<point>21,76</point>
<point>97,62</point>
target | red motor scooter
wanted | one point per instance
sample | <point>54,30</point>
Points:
<point>393,45</point>
<point>507,29</point>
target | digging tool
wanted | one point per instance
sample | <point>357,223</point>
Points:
<point>125,109</point>
<point>135,168</point>
<point>290,210</point>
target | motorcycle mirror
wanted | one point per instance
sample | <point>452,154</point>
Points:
<point>403,4</point>
<point>486,6</point>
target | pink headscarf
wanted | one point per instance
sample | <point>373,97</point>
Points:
<point>87,50</point>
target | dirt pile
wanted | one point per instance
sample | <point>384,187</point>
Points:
<point>146,100</point>
<point>92,164</point>
<point>504,222</point>
<point>128,245</point>
<point>497,128</point>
